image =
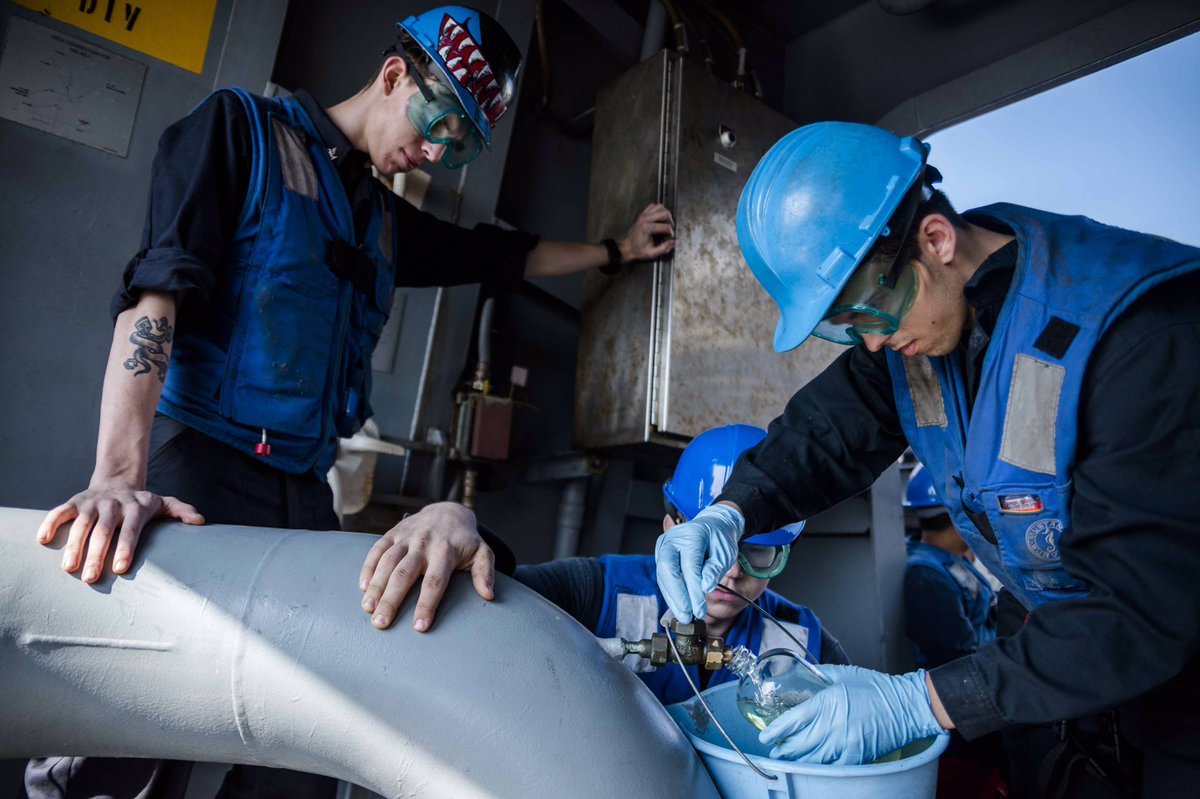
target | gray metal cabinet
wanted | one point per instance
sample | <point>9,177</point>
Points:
<point>672,348</point>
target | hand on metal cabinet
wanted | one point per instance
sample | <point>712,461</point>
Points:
<point>435,542</point>
<point>98,514</point>
<point>652,235</point>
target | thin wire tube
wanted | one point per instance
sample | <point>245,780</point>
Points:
<point>708,710</point>
<point>811,666</point>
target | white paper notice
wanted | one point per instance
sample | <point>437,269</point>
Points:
<point>68,87</point>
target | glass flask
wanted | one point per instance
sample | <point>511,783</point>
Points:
<point>772,682</point>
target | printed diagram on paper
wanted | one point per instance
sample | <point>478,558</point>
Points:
<point>61,85</point>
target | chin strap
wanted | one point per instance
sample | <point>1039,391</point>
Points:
<point>921,191</point>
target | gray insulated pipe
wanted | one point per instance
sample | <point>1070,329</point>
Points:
<point>242,645</point>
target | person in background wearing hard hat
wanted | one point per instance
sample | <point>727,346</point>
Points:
<point>949,612</point>
<point>1042,369</point>
<point>949,607</point>
<point>266,274</point>
<point>616,595</point>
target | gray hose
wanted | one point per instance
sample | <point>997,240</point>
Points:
<point>485,330</point>
<point>572,504</point>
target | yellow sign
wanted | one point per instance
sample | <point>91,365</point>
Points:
<point>175,31</point>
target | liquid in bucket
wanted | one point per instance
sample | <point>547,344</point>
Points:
<point>772,683</point>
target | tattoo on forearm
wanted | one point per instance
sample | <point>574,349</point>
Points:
<point>148,339</point>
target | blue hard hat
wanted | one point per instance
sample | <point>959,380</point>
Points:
<point>920,494</point>
<point>475,56</point>
<point>812,209</point>
<point>705,465</point>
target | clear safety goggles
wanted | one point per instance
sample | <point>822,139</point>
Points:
<point>867,305</point>
<point>763,562</point>
<point>436,113</point>
<point>882,288</point>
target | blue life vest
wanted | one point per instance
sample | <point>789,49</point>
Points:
<point>1003,467</point>
<point>633,606</point>
<point>286,345</point>
<point>977,597</point>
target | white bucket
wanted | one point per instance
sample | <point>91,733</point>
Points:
<point>913,776</point>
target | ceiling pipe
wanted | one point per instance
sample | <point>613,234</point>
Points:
<point>655,30</point>
<point>678,26</point>
<point>735,39</point>
<point>231,644</point>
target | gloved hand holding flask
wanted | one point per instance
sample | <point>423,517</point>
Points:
<point>691,557</point>
<point>863,716</point>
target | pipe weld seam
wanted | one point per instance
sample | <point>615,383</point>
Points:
<point>236,691</point>
<point>35,639</point>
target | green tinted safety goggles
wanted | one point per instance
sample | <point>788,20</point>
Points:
<point>438,116</point>
<point>763,562</point>
<point>867,305</point>
<point>882,288</point>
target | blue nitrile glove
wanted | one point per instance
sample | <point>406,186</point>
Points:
<point>692,557</point>
<point>863,716</point>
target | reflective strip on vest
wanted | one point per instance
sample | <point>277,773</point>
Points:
<point>298,172</point>
<point>1031,414</point>
<point>637,618</point>
<point>774,638</point>
<point>926,392</point>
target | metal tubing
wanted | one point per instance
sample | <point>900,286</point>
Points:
<point>656,29</point>
<point>571,506</point>
<point>484,349</point>
<point>240,645</point>
<point>469,482</point>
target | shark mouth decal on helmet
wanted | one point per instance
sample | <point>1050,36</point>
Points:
<point>466,63</point>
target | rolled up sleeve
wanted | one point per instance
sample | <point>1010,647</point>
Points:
<point>197,189</point>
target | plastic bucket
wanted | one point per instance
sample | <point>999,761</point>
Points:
<point>913,776</point>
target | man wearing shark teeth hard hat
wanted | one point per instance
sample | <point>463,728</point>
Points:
<point>263,280</point>
<point>452,39</point>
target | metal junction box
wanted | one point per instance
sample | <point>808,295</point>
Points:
<point>670,349</point>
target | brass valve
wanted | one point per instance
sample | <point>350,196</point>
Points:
<point>695,648</point>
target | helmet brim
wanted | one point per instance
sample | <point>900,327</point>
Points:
<point>470,107</point>
<point>777,538</point>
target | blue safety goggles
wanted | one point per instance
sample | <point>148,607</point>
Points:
<point>436,113</point>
